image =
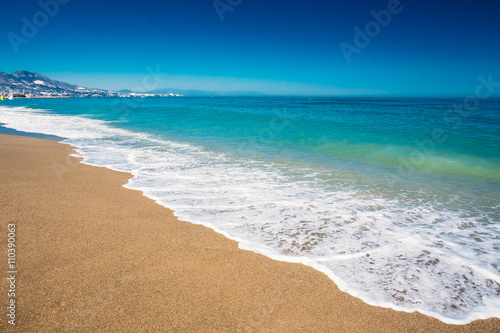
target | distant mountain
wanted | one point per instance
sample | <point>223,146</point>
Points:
<point>35,84</point>
<point>197,93</point>
<point>204,93</point>
<point>26,78</point>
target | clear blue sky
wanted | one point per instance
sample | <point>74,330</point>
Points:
<point>429,47</point>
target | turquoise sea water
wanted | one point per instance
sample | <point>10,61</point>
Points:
<point>397,200</point>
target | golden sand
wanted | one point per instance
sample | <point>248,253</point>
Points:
<point>93,256</point>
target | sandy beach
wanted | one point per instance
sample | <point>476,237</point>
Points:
<point>92,256</point>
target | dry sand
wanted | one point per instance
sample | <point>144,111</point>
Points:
<point>93,256</point>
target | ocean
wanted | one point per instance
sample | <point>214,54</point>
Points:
<point>396,200</point>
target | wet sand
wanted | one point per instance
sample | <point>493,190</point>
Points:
<point>93,256</point>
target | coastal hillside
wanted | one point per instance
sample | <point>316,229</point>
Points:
<point>34,84</point>
<point>30,84</point>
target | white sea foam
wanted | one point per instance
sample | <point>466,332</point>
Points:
<point>402,252</point>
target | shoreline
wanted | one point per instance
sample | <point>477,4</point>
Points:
<point>118,261</point>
